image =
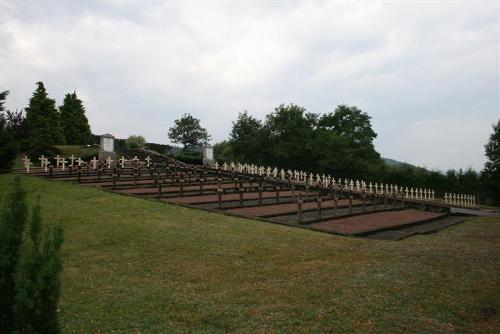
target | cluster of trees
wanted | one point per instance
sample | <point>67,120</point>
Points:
<point>340,143</point>
<point>30,268</point>
<point>50,125</point>
<point>42,123</point>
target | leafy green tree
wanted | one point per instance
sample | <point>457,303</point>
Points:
<point>44,121</point>
<point>8,149</point>
<point>74,122</point>
<point>352,124</point>
<point>14,122</point>
<point>135,142</point>
<point>490,175</point>
<point>188,132</point>
<point>38,277</point>
<point>287,134</point>
<point>12,222</point>
<point>223,151</point>
<point>344,144</point>
<point>246,139</point>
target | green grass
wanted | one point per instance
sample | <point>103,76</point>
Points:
<point>132,265</point>
<point>68,150</point>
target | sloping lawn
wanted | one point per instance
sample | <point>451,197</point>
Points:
<point>132,265</point>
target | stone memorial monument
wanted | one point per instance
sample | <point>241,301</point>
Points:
<point>107,149</point>
<point>208,155</point>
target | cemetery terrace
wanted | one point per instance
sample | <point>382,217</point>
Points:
<point>295,198</point>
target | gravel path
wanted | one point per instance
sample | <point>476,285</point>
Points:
<point>374,221</point>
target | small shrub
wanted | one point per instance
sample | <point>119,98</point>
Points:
<point>135,142</point>
<point>49,151</point>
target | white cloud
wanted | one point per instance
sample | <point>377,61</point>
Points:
<point>423,68</point>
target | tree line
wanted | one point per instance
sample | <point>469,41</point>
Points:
<point>340,143</point>
<point>41,123</point>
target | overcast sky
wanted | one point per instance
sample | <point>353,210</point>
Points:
<point>426,72</point>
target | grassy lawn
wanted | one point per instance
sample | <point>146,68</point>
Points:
<point>132,265</point>
<point>68,150</point>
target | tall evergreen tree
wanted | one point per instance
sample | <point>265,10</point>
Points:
<point>44,121</point>
<point>12,223</point>
<point>491,174</point>
<point>38,278</point>
<point>7,145</point>
<point>74,122</point>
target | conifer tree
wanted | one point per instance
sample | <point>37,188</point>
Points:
<point>38,278</point>
<point>490,175</point>
<point>44,121</point>
<point>75,123</point>
<point>12,223</point>
<point>7,145</point>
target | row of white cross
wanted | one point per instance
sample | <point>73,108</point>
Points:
<point>298,176</point>
<point>327,180</point>
<point>460,199</point>
<point>74,161</point>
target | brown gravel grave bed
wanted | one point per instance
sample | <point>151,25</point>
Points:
<point>375,221</point>
<point>164,188</point>
<point>290,208</point>
<point>427,227</point>
<point>225,197</point>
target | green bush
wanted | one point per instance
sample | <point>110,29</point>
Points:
<point>8,151</point>
<point>49,151</point>
<point>190,157</point>
<point>160,148</point>
<point>135,142</point>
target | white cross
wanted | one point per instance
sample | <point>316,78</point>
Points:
<point>72,158</point>
<point>216,165</point>
<point>58,158</point>
<point>122,162</point>
<point>109,161</point>
<point>79,161</point>
<point>94,163</point>
<point>42,160</point>
<point>27,163</point>
<point>148,161</point>
<point>135,160</point>
<point>63,163</point>
<point>224,166</point>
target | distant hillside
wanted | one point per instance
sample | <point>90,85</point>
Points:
<point>392,162</point>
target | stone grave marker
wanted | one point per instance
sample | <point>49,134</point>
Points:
<point>107,147</point>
